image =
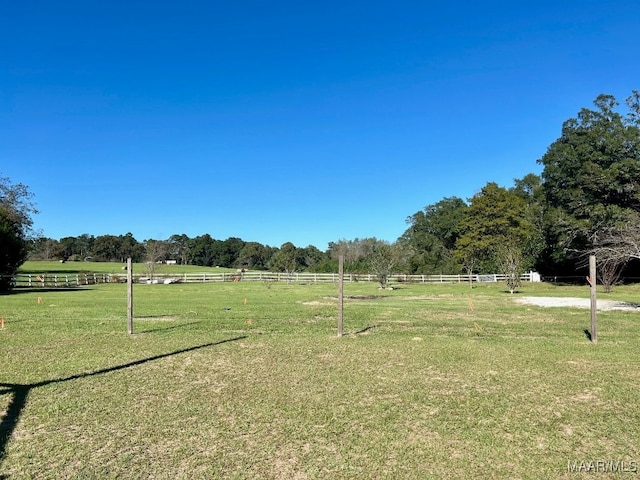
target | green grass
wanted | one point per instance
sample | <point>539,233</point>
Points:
<point>249,380</point>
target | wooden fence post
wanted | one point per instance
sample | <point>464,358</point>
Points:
<point>340,293</point>
<point>594,303</point>
<point>129,296</point>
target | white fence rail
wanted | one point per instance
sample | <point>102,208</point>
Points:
<point>52,280</point>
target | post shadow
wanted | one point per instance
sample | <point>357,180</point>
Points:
<point>365,330</point>
<point>171,327</point>
<point>20,392</point>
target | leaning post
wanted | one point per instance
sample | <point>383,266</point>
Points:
<point>594,304</point>
<point>129,296</point>
<point>340,293</point>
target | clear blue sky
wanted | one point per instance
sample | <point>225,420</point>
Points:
<point>292,121</point>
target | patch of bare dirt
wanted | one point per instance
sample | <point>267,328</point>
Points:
<point>160,318</point>
<point>578,303</point>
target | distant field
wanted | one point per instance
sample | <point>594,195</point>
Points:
<point>39,267</point>
<point>249,380</point>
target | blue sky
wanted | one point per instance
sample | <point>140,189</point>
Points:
<point>306,122</point>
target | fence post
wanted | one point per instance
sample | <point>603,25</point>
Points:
<point>340,293</point>
<point>129,296</point>
<point>594,305</point>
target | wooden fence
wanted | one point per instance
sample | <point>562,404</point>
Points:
<point>52,280</point>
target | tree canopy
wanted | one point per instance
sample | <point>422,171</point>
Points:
<point>432,235</point>
<point>495,217</point>
<point>16,208</point>
<point>592,177</point>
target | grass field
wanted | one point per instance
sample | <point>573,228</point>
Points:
<point>249,380</point>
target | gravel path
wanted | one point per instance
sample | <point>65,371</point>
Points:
<point>578,303</point>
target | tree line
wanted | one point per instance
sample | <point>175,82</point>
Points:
<point>203,250</point>
<point>586,201</point>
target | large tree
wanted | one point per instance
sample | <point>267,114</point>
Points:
<point>107,248</point>
<point>227,252</point>
<point>254,255</point>
<point>592,178</point>
<point>76,248</point>
<point>313,257</point>
<point>16,209</point>
<point>431,237</point>
<point>179,248</point>
<point>200,250</point>
<point>43,248</point>
<point>531,189</point>
<point>131,248</point>
<point>496,217</point>
<point>288,258</point>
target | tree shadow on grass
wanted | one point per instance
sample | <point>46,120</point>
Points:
<point>20,392</point>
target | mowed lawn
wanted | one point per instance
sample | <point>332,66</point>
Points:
<point>249,380</point>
